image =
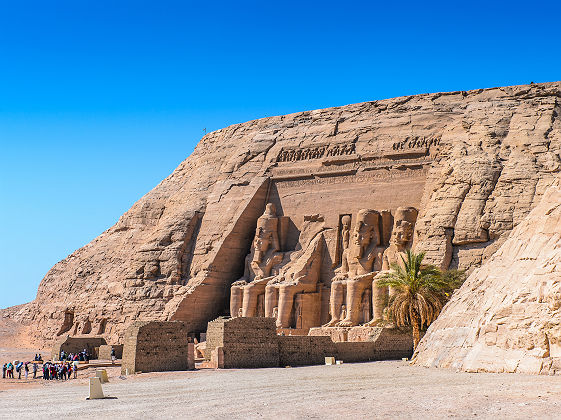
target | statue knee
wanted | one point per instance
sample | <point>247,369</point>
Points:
<point>337,285</point>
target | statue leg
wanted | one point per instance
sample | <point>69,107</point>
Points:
<point>335,302</point>
<point>250,298</point>
<point>271,299</point>
<point>379,301</point>
<point>355,289</point>
<point>286,302</point>
<point>236,299</point>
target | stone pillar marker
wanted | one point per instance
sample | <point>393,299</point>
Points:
<point>96,393</point>
<point>102,375</point>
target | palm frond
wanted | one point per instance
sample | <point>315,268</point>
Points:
<point>420,291</point>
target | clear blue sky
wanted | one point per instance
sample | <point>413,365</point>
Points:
<point>100,100</point>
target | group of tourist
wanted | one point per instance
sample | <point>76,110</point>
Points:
<point>51,370</point>
<point>62,371</point>
<point>19,367</point>
<point>82,356</point>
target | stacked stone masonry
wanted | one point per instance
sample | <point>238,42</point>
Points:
<point>239,349</point>
<point>157,346</point>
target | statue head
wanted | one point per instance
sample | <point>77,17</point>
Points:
<point>365,231</point>
<point>264,237</point>
<point>404,224</point>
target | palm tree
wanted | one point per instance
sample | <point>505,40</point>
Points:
<point>419,292</point>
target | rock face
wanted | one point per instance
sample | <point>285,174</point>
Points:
<point>507,315</point>
<point>473,163</point>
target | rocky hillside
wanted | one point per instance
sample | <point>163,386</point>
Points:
<point>173,255</point>
<point>507,315</point>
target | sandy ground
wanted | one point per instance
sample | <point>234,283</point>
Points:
<point>361,390</point>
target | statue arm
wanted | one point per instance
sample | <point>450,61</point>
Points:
<point>344,263</point>
<point>385,261</point>
<point>371,251</point>
<point>275,245</point>
<point>378,261</point>
<point>257,270</point>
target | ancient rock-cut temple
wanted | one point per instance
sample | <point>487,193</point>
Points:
<point>292,217</point>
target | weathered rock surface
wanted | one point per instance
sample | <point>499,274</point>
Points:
<point>507,315</point>
<point>474,163</point>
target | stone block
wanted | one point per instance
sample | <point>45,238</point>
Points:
<point>102,375</point>
<point>155,347</point>
<point>96,392</point>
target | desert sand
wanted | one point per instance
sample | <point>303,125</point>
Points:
<point>363,390</point>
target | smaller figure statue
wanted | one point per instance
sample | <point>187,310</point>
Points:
<point>365,306</point>
<point>345,231</point>
<point>343,313</point>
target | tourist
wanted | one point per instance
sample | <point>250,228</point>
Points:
<point>4,368</point>
<point>75,368</point>
<point>10,370</point>
<point>18,369</point>
<point>26,367</point>
<point>113,356</point>
<point>34,370</point>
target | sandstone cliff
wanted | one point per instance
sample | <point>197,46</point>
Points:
<point>475,163</point>
<point>507,315</point>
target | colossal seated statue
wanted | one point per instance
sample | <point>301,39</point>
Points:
<point>401,240</point>
<point>300,275</point>
<point>361,260</point>
<point>263,256</point>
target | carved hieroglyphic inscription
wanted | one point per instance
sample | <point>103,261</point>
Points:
<point>351,179</point>
<point>416,143</point>
<point>307,153</point>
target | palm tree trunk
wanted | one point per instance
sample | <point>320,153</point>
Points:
<point>416,324</point>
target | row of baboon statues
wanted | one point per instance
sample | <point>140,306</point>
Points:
<point>273,279</point>
<point>291,155</point>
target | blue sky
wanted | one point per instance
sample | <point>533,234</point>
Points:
<point>100,100</point>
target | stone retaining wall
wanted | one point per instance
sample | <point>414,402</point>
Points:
<point>156,347</point>
<point>253,343</point>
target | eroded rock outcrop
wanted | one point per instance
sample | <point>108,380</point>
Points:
<point>507,315</point>
<point>473,163</point>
